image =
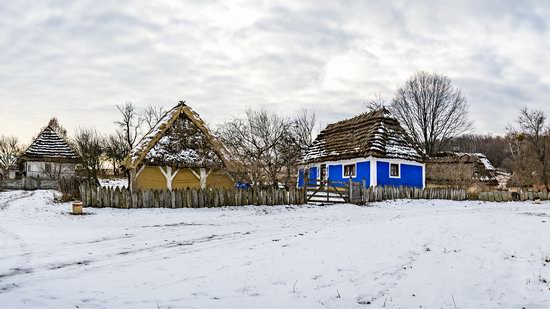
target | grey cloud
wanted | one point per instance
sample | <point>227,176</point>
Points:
<point>78,59</point>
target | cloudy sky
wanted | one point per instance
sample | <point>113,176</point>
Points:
<point>77,59</point>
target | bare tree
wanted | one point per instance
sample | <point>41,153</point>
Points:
<point>431,110</point>
<point>298,138</point>
<point>129,124</point>
<point>116,150</point>
<point>265,147</point>
<point>535,133</point>
<point>90,147</point>
<point>375,103</point>
<point>252,141</point>
<point>151,116</point>
<point>53,169</point>
<point>10,149</point>
<point>57,127</point>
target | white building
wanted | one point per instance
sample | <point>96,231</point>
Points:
<point>49,156</point>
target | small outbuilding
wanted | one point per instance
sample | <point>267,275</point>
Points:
<point>460,169</point>
<point>371,148</point>
<point>179,152</point>
<point>48,156</point>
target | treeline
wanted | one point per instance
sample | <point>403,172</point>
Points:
<point>495,147</point>
<point>263,147</point>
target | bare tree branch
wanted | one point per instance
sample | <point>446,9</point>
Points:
<point>431,110</point>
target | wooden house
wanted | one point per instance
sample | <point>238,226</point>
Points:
<point>372,148</point>
<point>48,156</point>
<point>179,152</point>
<point>460,170</point>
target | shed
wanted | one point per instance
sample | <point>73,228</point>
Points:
<point>179,152</point>
<point>460,169</point>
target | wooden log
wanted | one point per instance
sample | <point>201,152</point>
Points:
<point>167,199</point>
<point>194,198</point>
<point>156,199</point>
<point>116,198</point>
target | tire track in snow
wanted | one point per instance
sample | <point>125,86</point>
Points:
<point>21,266</point>
<point>4,205</point>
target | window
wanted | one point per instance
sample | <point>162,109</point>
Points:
<point>47,167</point>
<point>349,170</point>
<point>394,170</point>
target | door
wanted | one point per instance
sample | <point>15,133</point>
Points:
<point>323,172</point>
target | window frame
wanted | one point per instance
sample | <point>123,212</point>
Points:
<point>354,175</point>
<point>47,167</point>
<point>398,170</point>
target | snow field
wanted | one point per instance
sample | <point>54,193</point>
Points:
<point>434,254</point>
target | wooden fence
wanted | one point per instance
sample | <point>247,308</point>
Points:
<point>93,196</point>
<point>506,196</point>
<point>377,194</point>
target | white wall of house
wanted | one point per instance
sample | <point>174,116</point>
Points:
<point>40,169</point>
<point>11,174</point>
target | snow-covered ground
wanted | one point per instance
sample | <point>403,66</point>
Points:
<point>428,254</point>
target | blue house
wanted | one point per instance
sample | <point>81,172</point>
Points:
<point>371,148</point>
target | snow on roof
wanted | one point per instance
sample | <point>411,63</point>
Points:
<point>483,169</point>
<point>376,134</point>
<point>179,139</point>
<point>49,145</point>
<point>464,157</point>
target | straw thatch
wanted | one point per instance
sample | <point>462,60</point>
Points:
<point>377,134</point>
<point>453,167</point>
<point>180,139</point>
<point>49,146</point>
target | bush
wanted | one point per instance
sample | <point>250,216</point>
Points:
<point>69,188</point>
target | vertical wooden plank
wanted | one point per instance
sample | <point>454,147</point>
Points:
<point>195,198</point>
<point>168,198</point>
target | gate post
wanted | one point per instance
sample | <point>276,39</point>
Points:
<point>306,181</point>
<point>350,190</point>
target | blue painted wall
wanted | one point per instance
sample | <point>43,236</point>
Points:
<point>312,173</point>
<point>411,175</point>
<point>300,178</point>
<point>335,172</point>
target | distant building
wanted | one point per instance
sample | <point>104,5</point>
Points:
<point>179,152</point>
<point>48,156</point>
<point>372,148</point>
<point>460,170</point>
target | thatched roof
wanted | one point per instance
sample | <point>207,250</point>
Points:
<point>482,169</point>
<point>49,146</point>
<point>463,157</point>
<point>180,139</point>
<point>377,134</point>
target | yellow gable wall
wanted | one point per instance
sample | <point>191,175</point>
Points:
<point>219,180</point>
<point>185,179</point>
<point>152,178</point>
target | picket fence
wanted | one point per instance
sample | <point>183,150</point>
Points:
<point>95,196</point>
<point>507,196</point>
<point>382,193</point>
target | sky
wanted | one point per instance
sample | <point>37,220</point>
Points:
<point>77,60</point>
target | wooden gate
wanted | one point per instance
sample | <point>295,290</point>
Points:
<point>331,192</point>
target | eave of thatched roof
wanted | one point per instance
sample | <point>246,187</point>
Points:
<point>139,155</point>
<point>483,170</point>
<point>462,157</point>
<point>375,134</point>
<point>49,146</point>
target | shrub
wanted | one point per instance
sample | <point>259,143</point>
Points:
<point>69,188</point>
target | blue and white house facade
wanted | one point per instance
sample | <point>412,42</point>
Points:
<point>371,148</point>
